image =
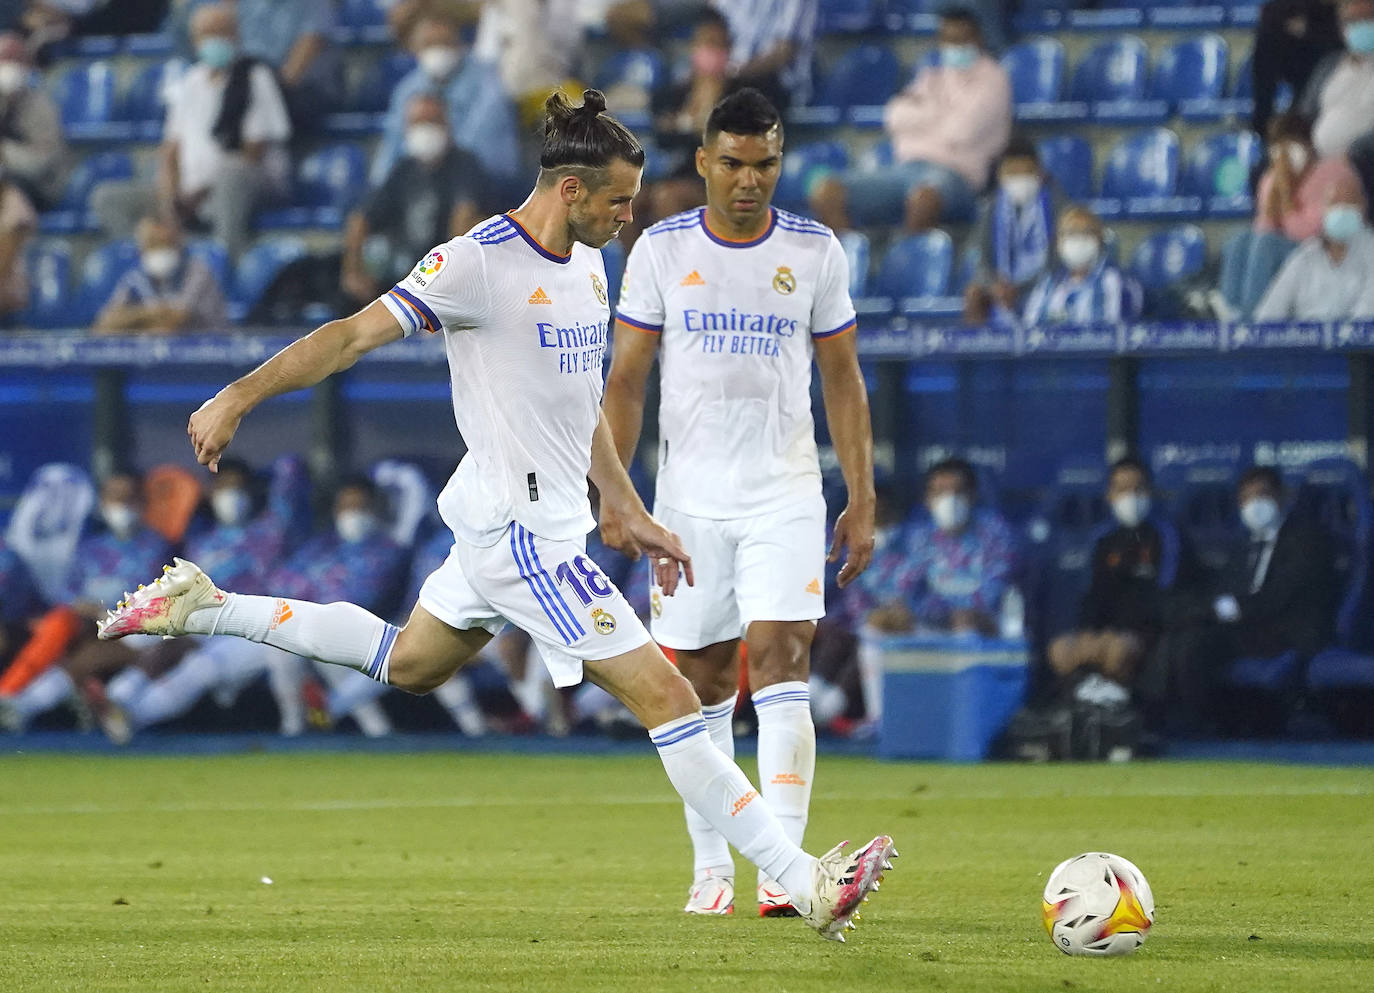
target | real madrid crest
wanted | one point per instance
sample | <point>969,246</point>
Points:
<point>656,604</point>
<point>600,288</point>
<point>602,621</point>
<point>783,281</point>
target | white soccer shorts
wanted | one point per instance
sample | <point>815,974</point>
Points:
<point>551,590</point>
<point>770,567</point>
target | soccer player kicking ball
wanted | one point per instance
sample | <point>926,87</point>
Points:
<point>521,301</point>
<point>736,299</point>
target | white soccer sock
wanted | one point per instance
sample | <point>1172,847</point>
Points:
<point>710,850</point>
<point>340,633</point>
<point>719,791</point>
<point>49,688</point>
<point>787,753</point>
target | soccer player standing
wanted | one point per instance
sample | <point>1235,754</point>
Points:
<point>736,299</point>
<point>521,301</point>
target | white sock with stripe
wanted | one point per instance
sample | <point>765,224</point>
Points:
<point>339,633</point>
<point>717,789</point>
<point>787,753</point>
<point>710,850</point>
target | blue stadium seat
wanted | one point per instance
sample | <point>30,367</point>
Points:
<point>85,96</point>
<point>329,182</point>
<point>915,274</point>
<point>613,257</point>
<point>1218,172</point>
<point>50,274</point>
<point>1113,79</point>
<point>802,165</point>
<point>856,88</point>
<point>1169,256</point>
<point>1060,537</point>
<point>1141,178</point>
<point>362,13</point>
<point>214,255</point>
<point>258,267</point>
<point>846,16</point>
<point>1201,498</point>
<point>912,16</point>
<point>1191,76</point>
<point>374,88</point>
<point>99,273</point>
<point>1069,159</point>
<point>144,104</point>
<point>73,211</point>
<point>629,78</point>
<point>1036,68</point>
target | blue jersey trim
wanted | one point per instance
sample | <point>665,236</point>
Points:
<point>772,223</point>
<point>529,239</point>
<point>434,324</point>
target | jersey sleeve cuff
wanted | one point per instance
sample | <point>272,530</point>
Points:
<point>849,325</point>
<point>413,313</point>
<point>630,322</point>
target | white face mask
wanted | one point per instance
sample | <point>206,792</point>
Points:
<point>120,518</point>
<point>439,61</point>
<point>13,77</point>
<point>160,263</point>
<point>354,525</point>
<point>1078,251</point>
<point>231,506</point>
<point>1021,189</point>
<point>1131,508</point>
<point>885,537</point>
<point>950,511</point>
<point>1259,514</point>
<point>426,142</point>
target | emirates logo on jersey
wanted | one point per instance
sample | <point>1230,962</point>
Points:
<point>783,281</point>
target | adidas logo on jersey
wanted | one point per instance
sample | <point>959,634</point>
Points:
<point>693,278</point>
<point>539,296</point>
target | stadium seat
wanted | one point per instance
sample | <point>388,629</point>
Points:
<point>1036,68</point>
<point>85,96</point>
<point>802,165</point>
<point>1060,536</point>
<point>1218,173</point>
<point>214,255</point>
<point>376,84</point>
<point>1069,159</point>
<point>915,274</point>
<point>846,16</point>
<point>328,183</point>
<point>363,21</point>
<point>912,16</point>
<point>144,103</point>
<point>103,268</point>
<point>1174,14</point>
<point>1113,78</point>
<point>856,88</point>
<point>1190,76</point>
<point>50,271</point>
<point>258,267</point>
<point>1201,497</point>
<point>629,78</point>
<point>1141,178</point>
<point>73,211</point>
<point>1166,257</point>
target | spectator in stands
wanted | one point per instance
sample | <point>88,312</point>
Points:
<point>957,563</point>
<point>1086,287</point>
<point>434,192</point>
<point>104,561</point>
<point>481,119</point>
<point>1291,198</point>
<point>1292,38</point>
<point>17,224</point>
<point>771,46</point>
<point>1340,95</point>
<point>1014,239</point>
<point>947,128</point>
<point>293,38</point>
<point>223,151</point>
<point>33,153</point>
<point>537,45</point>
<point>171,290</point>
<point>1327,278</point>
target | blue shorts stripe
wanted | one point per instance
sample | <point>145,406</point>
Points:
<point>680,734</point>
<point>527,574</point>
<point>553,589</point>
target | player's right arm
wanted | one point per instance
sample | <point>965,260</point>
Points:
<point>639,323</point>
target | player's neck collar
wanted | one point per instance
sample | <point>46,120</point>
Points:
<point>529,239</point>
<point>735,243</point>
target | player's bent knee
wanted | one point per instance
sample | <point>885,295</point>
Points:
<point>413,672</point>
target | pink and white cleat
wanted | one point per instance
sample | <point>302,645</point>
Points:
<point>841,882</point>
<point>711,895</point>
<point>163,606</point>
<point>773,899</point>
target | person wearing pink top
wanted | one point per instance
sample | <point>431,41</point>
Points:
<point>1289,203</point>
<point>947,129</point>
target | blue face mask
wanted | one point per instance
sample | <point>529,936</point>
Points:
<point>1359,37</point>
<point>958,56</point>
<point>216,53</point>
<point>1342,222</point>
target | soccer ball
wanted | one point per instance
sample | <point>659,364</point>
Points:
<point>1097,904</point>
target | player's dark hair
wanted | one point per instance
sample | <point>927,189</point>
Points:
<point>1290,126</point>
<point>1130,462</point>
<point>957,466</point>
<point>710,17</point>
<point>583,138</point>
<point>1266,474</point>
<point>1021,146</point>
<point>965,15</point>
<point>746,111</point>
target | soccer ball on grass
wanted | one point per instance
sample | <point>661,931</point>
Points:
<point>1097,904</point>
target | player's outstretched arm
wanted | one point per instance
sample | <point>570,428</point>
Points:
<point>846,411</point>
<point>632,359</point>
<point>329,349</point>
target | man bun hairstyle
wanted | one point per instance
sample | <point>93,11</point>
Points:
<point>746,111</point>
<point>584,136</point>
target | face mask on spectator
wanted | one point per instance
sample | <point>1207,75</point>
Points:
<point>216,52</point>
<point>958,56</point>
<point>120,518</point>
<point>1021,189</point>
<point>1359,37</point>
<point>885,536</point>
<point>1297,155</point>
<point>1341,222</point>
<point>1078,251</point>
<point>950,511</point>
<point>231,506</point>
<point>439,61</point>
<point>708,60</point>
<point>160,262</point>
<point>1131,508</point>
<point>426,142</point>
<point>13,77</point>
<point>1259,514</point>
<point>354,525</point>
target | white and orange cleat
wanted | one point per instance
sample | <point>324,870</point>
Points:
<point>773,899</point>
<point>841,882</point>
<point>711,895</point>
<point>162,606</point>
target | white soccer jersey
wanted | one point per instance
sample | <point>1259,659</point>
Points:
<point>525,332</point>
<point>737,319</point>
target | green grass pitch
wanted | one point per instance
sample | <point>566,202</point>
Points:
<point>490,872</point>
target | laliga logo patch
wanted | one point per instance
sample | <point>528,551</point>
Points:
<point>600,289</point>
<point>656,604</point>
<point>603,622</point>
<point>784,282</point>
<point>431,263</point>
